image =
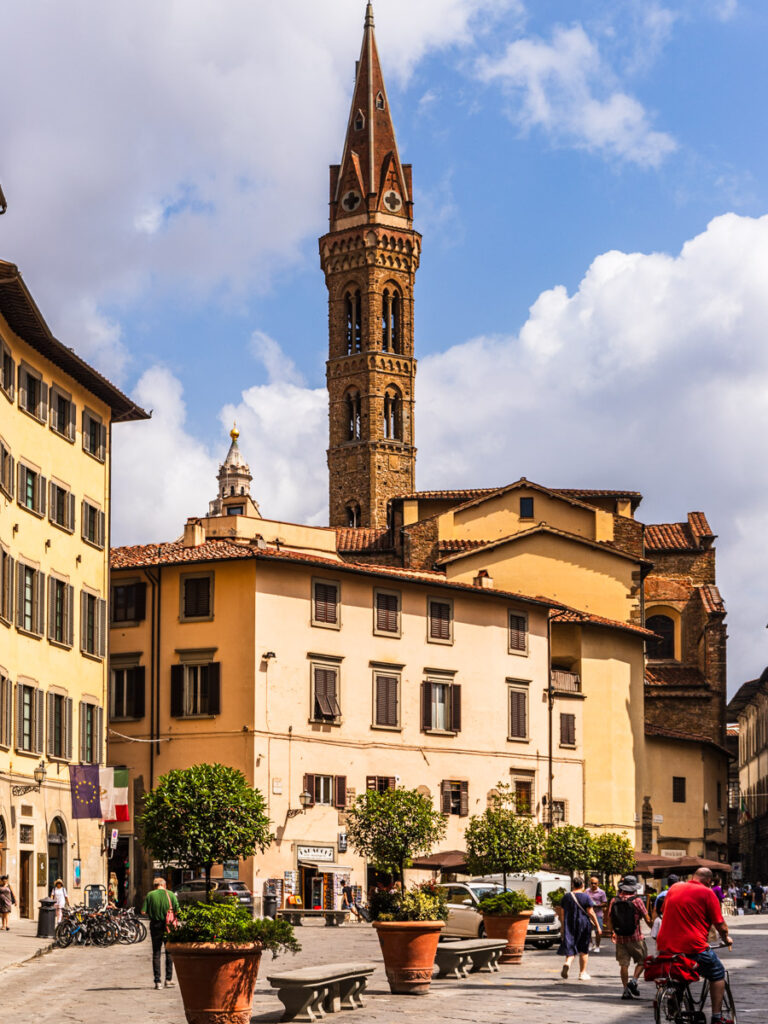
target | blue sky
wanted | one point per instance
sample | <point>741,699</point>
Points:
<point>590,181</point>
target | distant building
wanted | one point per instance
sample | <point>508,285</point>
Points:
<point>56,416</point>
<point>750,708</point>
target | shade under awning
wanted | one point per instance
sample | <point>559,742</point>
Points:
<point>325,866</point>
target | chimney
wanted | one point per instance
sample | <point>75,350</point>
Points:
<point>483,580</point>
<point>194,533</point>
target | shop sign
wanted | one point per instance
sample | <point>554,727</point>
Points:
<point>673,853</point>
<point>315,853</point>
<point>342,842</point>
<point>736,874</point>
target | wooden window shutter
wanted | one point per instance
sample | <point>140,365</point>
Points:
<point>177,691</point>
<point>84,519</point>
<point>214,688</point>
<point>141,601</point>
<point>69,634</point>
<point>40,603</point>
<point>42,411</point>
<point>72,425</point>
<point>50,701</point>
<point>326,597</point>
<point>40,495</point>
<point>98,740</point>
<point>68,715</point>
<point>51,608</point>
<point>309,787</point>
<point>386,700</point>
<point>518,714</point>
<point>391,782</point>
<point>21,573</point>
<point>102,442</point>
<point>39,722</point>
<point>52,501</point>
<point>386,613</point>
<point>518,632</point>
<point>371,782</point>
<point>340,791</point>
<point>139,686</point>
<point>83,730</point>
<point>464,800</point>
<point>22,375</point>
<point>456,708</point>
<point>568,729</point>
<point>439,620</point>
<point>8,712</point>
<point>19,716</point>
<point>101,521</point>
<point>426,706</point>
<point>445,797</point>
<point>101,610</point>
<point>83,620</point>
<point>70,511</point>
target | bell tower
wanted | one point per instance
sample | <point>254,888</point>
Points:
<point>370,257</point>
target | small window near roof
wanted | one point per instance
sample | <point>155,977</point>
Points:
<point>526,508</point>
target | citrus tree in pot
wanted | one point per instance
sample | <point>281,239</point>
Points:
<point>390,829</point>
<point>197,817</point>
<point>501,841</point>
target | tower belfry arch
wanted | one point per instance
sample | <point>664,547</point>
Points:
<point>370,256</point>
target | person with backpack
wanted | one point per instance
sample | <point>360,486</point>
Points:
<point>625,913</point>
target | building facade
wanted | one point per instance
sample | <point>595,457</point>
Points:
<point>56,416</point>
<point>749,707</point>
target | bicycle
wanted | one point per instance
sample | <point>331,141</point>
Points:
<point>675,1003</point>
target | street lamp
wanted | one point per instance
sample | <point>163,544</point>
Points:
<point>305,799</point>
<point>38,775</point>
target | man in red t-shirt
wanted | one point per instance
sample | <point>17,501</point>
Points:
<point>690,910</point>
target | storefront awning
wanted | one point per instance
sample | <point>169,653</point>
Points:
<point>325,866</point>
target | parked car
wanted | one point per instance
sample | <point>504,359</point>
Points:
<point>544,926</point>
<point>222,889</point>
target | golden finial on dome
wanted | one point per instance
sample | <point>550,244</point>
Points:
<point>234,432</point>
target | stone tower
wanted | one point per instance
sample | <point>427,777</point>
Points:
<point>370,257</point>
<point>234,477</point>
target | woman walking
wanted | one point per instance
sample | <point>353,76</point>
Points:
<point>579,919</point>
<point>7,899</point>
<point>60,898</point>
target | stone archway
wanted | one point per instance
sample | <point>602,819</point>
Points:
<point>57,852</point>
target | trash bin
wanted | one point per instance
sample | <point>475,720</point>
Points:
<point>270,906</point>
<point>46,918</point>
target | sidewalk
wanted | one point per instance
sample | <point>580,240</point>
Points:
<point>21,943</point>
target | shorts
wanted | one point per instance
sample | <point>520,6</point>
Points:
<point>710,965</point>
<point>628,951</point>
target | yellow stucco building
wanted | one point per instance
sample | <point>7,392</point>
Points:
<point>56,416</point>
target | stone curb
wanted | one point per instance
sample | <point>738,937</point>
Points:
<point>32,956</point>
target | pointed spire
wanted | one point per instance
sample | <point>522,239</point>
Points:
<point>370,179</point>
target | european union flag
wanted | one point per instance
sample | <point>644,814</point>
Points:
<point>86,794</point>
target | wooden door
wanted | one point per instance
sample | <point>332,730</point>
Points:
<point>25,880</point>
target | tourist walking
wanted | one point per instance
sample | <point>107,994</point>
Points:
<point>758,894</point>
<point>7,900</point>
<point>579,919</point>
<point>349,903</point>
<point>157,905</point>
<point>625,913</point>
<point>658,906</point>
<point>60,898</point>
<point>599,900</point>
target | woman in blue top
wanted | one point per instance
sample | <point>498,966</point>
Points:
<point>579,919</point>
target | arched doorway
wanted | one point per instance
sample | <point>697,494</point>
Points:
<point>57,848</point>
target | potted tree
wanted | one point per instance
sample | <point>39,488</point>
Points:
<point>391,828</point>
<point>499,841</point>
<point>569,848</point>
<point>555,900</point>
<point>198,817</point>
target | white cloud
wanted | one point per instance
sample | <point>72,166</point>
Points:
<point>726,9</point>
<point>565,88</point>
<point>280,367</point>
<point>652,376</point>
<point>174,148</point>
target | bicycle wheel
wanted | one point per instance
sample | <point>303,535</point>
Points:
<point>63,934</point>
<point>142,928</point>
<point>729,1010</point>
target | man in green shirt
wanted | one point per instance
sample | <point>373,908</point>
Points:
<point>156,905</point>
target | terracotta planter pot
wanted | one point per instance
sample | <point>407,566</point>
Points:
<point>216,980</point>
<point>514,929</point>
<point>409,948</point>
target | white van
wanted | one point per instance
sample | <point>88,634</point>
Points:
<point>544,929</point>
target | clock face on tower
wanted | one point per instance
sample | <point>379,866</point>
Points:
<point>392,201</point>
<point>351,200</point>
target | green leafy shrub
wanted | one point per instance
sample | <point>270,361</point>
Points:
<point>505,904</point>
<point>228,922</point>
<point>555,898</point>
<point>393,827</point>
<point>426,902</point>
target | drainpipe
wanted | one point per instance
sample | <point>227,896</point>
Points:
<point>153,584</point>
<point>550,707</point>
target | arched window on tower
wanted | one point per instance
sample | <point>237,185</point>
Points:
<point>393,414</point>
<point>354,416</point>
<point>380,101</point>
<point>664,646</point>
<point>391,317</point>
<point>353,514</point>
<point>354,318</point>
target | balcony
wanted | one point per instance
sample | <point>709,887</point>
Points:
<point>564,681</point>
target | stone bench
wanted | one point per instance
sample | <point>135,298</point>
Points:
<point>333,918</point>
<point>453,958</point>
<point>311,992</point>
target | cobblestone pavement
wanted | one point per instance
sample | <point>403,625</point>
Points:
<point>91,986</point>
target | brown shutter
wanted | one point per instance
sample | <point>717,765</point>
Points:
<point>139,686</point>
<point>101,522</point>
<point>426,706</point>
<point>21,572</point>
<point>340,791</point>
<point>69,636</point>
<point>456,708</point>
<point>102,442</point>
<point>568,730</point>
<point>101,626</point>
<point>22,388</point>
<point>391,782</point>
<point>70,511</point>
<point>39,625</point>
<point>177,691</point>
<point>83,743</point>
<point>386,613</point>
<point>386,700</point>
<point>326,603</point>
<point>370,782</point>
<point>445,797</point>
<point>67,725</point>
<point>98,740</point>
<point>40,495</point>
<point>72,425</point>
<point>43,408</point>
<point>51,710</point>
<point>214,688</point>
<point>8,712</point>
<point>52,502</point>
<point>518,724</point>
<point>19,717</point>
<point>309,787</point>
<point>440,620</point>
<point>464,800</point>
<point>38,726</point>
<point>52,608</point>
<point>517,632</point>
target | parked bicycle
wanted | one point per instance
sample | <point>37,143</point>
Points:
<point>675,1002</point>
<point>83,926</point>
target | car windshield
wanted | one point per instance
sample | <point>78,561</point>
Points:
<point>481,891</point>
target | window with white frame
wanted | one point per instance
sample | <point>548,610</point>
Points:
<point>328,790</point>
<point>440,706</point>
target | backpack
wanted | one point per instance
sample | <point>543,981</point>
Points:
<point>624,918</point>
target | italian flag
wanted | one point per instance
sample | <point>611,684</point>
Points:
<point>113,783</point>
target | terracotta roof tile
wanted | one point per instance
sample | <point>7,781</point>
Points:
<point>699,525</point>
<point>450,495</point>
<point>448,547</point>
<point>363,538</point>
<point>590,492</point>
<point>679,677</point>
<point>691,536</point>
<point>676,734</point>
<point>174,553</point>
<point>586,618</point>
<point>711,599</point>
